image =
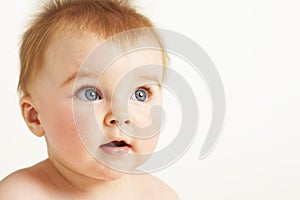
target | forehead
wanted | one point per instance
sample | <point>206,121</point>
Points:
<point>80,52</point>
<point>69,48</point>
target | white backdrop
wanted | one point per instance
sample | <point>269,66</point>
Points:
<point>255,46</point>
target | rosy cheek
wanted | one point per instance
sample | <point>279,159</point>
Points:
<point>146,145</point>
<point>89,125</point>
<point>140,115</point>
<point>60,128</point>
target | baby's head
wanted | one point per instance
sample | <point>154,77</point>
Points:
<point>80,91</point>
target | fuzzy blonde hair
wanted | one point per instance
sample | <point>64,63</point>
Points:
<point>102,17</point>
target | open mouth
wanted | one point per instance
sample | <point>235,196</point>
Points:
<point>116,147</point>
<point>116,144</point>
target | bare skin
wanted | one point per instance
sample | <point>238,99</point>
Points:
<point>44,181</point>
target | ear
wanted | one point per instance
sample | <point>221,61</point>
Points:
<point>31,116</point>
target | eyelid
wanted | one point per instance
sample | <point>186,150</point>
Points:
<point>148,89</point>
<point>86,86</point>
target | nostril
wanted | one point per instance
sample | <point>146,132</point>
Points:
<point>116,122</point>
<point>119,120</point>
<point>113,121</point>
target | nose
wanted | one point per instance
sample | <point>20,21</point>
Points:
<point>122,119</point>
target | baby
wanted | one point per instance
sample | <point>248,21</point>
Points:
<point>89,103</point>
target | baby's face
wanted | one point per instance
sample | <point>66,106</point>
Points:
<point>80,107</point>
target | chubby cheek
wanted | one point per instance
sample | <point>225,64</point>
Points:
<point>141,117</point>
<point>60,129</point>
<point>89,126</point>
<point>146,146</point>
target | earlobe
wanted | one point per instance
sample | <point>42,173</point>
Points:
<point>31,116</point>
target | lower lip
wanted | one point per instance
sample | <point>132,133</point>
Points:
<point>115,151</point>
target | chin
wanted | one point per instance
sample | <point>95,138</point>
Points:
<point>109,174</point>
<point>113,175</point>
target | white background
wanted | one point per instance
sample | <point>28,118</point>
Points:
<point>255,46</point>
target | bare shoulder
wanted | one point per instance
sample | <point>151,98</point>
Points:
<point>154,188</point>
<point>23,184</point>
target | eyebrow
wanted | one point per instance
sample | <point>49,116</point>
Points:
<point>149,77</point>
<point>74,76</point>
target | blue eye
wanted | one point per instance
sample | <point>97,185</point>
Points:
<point>88,94</point>
<point>140,95</point>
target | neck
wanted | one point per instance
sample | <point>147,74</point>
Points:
<point>69,180</point>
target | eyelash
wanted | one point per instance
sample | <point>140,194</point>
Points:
<point>85,86</point>
<point>148,89</point>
